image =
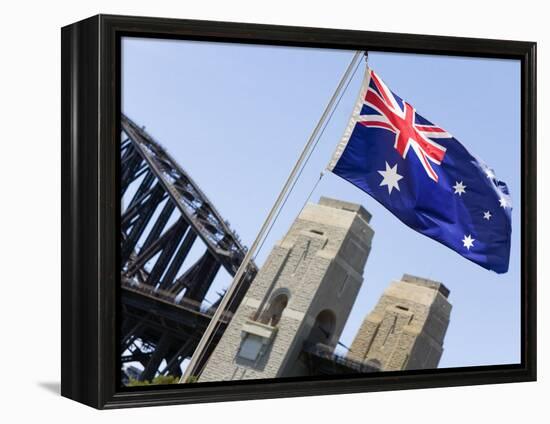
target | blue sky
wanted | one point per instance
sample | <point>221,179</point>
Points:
<point>237,116</point>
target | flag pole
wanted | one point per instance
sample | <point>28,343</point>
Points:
<point>199,351</point>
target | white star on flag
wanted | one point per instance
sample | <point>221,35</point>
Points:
<point>487,215</point>
<point>468,241</point>
<point>460,188</point>
<point>503,202</point>
<point>390,178</point>
<point>490,174</point>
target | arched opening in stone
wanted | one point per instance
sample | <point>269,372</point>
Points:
<point>323,328</point>
<point>273,314</point>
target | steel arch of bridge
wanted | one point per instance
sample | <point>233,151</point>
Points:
<point>162,313</point>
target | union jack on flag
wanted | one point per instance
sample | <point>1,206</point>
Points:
<point>424,176</point>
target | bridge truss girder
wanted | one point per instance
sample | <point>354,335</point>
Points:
<point>162,313</point>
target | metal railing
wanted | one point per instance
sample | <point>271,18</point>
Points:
<point>323,351</point>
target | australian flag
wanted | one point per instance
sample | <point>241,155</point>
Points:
<point>425,177</point>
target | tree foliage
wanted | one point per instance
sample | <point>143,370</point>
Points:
<point>159,379</point>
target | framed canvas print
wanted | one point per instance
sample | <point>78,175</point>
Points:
<point>253,211</point>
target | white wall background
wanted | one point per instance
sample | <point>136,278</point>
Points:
<point>30,212</point>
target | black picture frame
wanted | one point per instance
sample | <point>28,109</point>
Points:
<point>90,132</point>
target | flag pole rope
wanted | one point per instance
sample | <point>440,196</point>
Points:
<point>290,183</point>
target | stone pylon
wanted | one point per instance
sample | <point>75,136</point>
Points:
<point>406,329</point>
<point>302,295</point>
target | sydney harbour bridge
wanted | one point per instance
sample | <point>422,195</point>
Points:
<point>163,302</point>
<point>164,218</point>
